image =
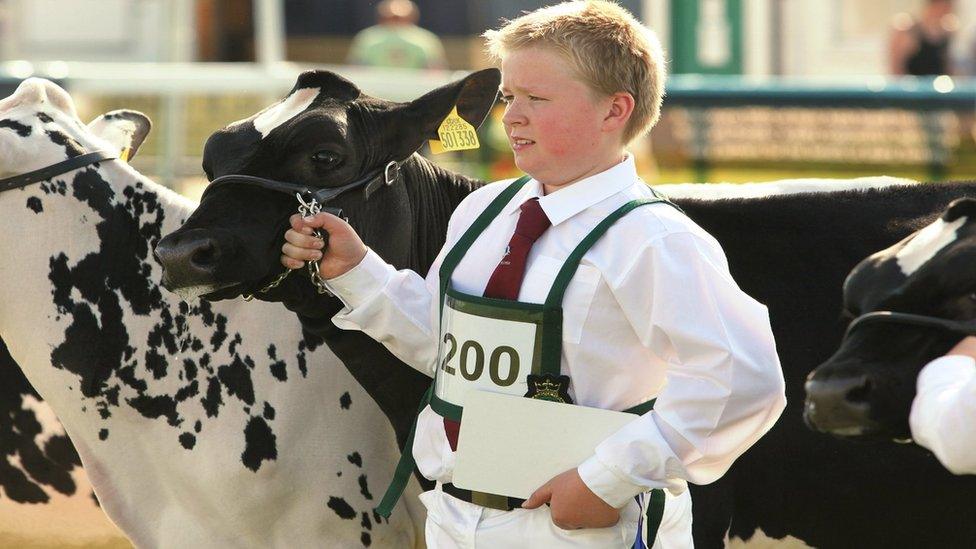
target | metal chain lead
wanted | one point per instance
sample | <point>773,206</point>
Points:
<point>308,209</point>
<point>305,209</point>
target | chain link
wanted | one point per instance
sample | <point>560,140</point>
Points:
<point>305,209</point>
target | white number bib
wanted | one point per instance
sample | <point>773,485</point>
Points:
<point>484,353</point>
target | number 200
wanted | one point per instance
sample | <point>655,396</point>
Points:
<point>478,367</point>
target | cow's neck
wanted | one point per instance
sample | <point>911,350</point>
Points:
<point>434,193</point>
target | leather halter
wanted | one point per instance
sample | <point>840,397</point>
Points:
<point>960,327</point>
<point>386,175</point>
<point>311,200</point>
<point>54,170</point>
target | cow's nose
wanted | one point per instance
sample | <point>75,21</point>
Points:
<point>839,405</point>
<point>189,258</point>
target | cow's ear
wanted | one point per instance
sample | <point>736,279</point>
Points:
<point>124,129</point>
<point>960,207</point>
<point>330,84</point>
<point>418,120</point>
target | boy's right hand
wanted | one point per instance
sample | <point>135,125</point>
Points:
<point>345,249</point>
<point>965,347</point>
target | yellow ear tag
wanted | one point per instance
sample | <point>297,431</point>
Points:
<point>124,154</point>
<point>455,135</point>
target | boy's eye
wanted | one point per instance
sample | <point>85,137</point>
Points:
<point>506,99</point>
<point>535,98</point>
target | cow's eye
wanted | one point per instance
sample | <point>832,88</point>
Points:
<point>326,158</point>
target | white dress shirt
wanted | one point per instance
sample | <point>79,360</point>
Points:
<point>651,312</point>
<point>943,416</point>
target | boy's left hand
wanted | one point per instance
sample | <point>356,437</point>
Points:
<point>572,504</point>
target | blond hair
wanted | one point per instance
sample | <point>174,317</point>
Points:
<point>608,48</point>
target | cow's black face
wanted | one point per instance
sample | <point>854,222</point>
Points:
<point>326,133</point>
<point>866,389</point>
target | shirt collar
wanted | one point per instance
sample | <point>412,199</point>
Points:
<point>571,200</point>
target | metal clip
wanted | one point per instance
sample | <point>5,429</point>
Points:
<point>307,209</point>
<point>391,173</point>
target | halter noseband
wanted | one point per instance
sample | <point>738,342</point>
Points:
<point>386,175</point>
<point>960,327</point>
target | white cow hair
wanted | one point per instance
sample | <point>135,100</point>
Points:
<point>285,110</point>
<point>714,191</point>
<point>760,540</point>
<point>926,243</point>
<point>118,132</point>
<point>50,426</point>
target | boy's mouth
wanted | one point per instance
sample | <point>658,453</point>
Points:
<point>519,143</point>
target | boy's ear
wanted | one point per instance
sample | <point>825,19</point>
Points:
<point>415,122</point>
<point>620,111</point>
<point>124,129</point>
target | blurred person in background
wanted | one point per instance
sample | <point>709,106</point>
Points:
<point>397,41</point>
<point>920,45</point>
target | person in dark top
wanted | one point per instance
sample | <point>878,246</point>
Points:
<point>920,46</point>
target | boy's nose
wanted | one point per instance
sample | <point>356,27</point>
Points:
<point>513,116</point>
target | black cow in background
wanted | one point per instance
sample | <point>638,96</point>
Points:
<point>790,252</point>
<point>865,390</point>
<point>793,253</point>
<point>41,466</point>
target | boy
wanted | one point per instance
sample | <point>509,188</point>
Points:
<point>649,311</point>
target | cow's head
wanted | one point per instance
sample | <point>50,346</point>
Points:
<point>40,127</point>
<point>866,388</point>
<point>325,133</point>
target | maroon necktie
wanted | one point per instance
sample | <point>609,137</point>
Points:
<point>506,281</point>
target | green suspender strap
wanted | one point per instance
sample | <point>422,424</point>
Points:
<point>552,336</point>
<point>405,466</point>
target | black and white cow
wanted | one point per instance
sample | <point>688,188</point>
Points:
<point>199,425</point>
<point>789,249</point>
<point>793,252</point>
<point>404,222</point>
<point>865,390</point>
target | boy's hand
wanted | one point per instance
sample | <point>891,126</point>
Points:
<point>344,252</point>
<point>572,504</point>
<point>965,347</point>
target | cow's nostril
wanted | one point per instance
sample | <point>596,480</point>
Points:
<point>860,393</point>
<point>206,254</point>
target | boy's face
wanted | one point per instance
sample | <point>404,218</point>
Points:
<point>554,120</point>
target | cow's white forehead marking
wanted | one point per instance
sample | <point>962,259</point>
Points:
<point>715,191</point>
<point>927,243</point>
<point>284,111</point>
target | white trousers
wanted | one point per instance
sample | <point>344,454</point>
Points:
<point>453,523</point>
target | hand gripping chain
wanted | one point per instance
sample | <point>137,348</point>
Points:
<point>306,209</point>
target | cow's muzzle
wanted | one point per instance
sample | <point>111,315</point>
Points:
<point>840,406</point>
<point>189,259</point>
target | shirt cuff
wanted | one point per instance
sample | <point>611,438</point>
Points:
<point>613,489</point>
<point>946,369</point>
<point>357,285</point>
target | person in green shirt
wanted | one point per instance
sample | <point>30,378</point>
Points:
<point>397,41</point>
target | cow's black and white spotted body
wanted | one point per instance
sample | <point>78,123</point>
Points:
<point>198,424</point>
